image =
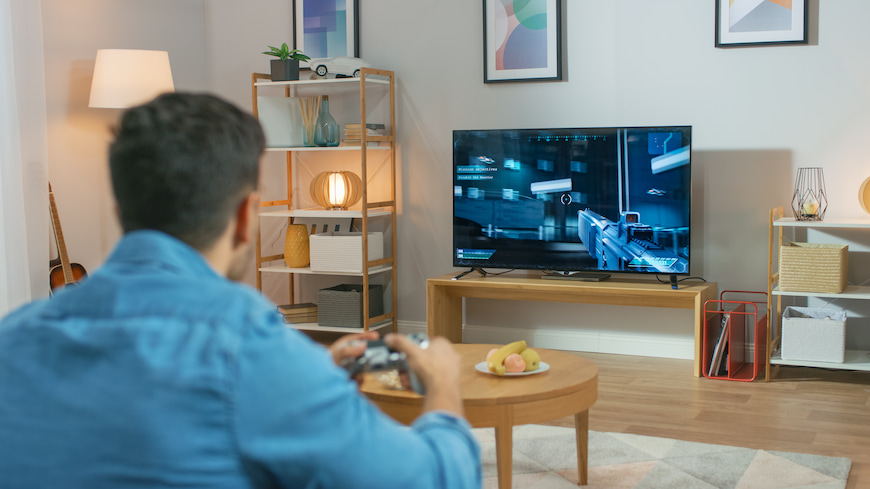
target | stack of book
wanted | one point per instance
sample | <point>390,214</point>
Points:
<point>353,134</point>
<point>299,313</point>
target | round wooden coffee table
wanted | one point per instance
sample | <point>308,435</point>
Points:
<point>569,387</point>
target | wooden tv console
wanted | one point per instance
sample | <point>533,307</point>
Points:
<point>444,297</point>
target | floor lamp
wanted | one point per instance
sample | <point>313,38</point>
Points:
<point>128,77</point>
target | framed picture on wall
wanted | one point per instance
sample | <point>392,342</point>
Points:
<point>757,22</point>
<point>522,40</point>
<point>326,28</point>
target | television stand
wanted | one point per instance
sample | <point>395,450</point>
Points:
<point>444,298</point>
<point>584,276</point>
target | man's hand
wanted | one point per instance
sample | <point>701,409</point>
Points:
<point>437,367</point>
<point>351,346</point>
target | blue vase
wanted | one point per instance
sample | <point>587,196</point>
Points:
<point>327,131</point>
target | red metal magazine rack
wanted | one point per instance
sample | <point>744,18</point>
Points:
<point>734,337</point>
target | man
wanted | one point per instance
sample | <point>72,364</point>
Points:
<point>158,371</point>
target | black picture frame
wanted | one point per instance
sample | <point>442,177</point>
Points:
<point>787,25</point>
<point>351,21</point>
<point>547,67</point>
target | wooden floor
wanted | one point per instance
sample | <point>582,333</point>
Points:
<point>805,410</point>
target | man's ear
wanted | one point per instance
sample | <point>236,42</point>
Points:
<point>246,215</point>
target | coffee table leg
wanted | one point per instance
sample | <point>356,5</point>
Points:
<point>581,427</point>
<point>504,443</point>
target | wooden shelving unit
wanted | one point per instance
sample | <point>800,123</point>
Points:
<point>349,90</point>
<point>855,359</point>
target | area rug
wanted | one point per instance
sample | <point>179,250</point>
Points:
<point>545,457</point>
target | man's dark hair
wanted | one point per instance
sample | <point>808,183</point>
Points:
<point>182,164</point>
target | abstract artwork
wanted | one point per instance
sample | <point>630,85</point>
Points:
<point>326,28</point>
<point>750,22</point>
<point>521,40</point>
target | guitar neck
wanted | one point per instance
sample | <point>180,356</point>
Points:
<point>58,236</point>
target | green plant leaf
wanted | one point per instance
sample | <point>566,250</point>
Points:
<point>282,53</point>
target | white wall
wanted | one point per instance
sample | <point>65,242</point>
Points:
<point>78,135</point>
<point>758,114</point>
<point>236,34</point>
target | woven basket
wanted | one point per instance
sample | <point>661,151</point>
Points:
<point>813,267</point>
<point>342,305</point>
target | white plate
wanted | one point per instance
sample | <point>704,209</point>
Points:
<point>542,367</point>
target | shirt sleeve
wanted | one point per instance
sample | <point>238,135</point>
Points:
<point>299,421</point>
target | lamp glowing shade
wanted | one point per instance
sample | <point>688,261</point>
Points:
<point>336,189</point>
<point>128,77</point>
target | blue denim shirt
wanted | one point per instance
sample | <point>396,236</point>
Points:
<point>158,372</point>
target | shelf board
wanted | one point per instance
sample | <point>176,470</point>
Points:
<point>325,213</point>
<point>329,86</point>
<point>851,292</point>
<point>335,329</point>
<point>308,271</point>
<point>327,148</point>
<point>827,223</point>
<point>855,360</point>
<point>351,82</point>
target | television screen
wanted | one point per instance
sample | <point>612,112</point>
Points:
<point>573,200</point>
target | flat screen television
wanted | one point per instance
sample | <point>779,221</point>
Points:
<point>573,200</point>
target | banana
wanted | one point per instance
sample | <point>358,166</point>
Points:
<point>495,364</point>
<point>532,359</point>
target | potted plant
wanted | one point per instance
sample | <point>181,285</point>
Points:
<point>286,67</point>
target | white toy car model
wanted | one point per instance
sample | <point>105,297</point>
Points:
<point>341,65</point>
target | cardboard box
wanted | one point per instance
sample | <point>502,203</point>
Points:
<point>342,252</point>
<point>813,267</point>
<point>813,335</point>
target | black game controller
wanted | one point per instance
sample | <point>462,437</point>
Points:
<point>379,357</point>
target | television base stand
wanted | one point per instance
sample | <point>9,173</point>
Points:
<point>584,276</point>
<point>481,271</point>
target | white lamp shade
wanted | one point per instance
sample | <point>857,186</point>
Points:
<point>129,77</point>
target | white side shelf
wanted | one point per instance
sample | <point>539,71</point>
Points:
<point>855,360</point>
<point>851,292</point>
<point>308,271</point>
<point>827,223</point>
<point>335,329</point>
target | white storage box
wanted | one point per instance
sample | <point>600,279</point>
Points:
<point>342,252</point>
<point>813,335</point>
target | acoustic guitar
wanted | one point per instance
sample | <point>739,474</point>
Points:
<point>65,273</point>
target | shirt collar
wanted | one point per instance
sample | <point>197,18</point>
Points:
<point>155,249</point>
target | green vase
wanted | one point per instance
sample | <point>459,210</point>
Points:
<point>327,132</point>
